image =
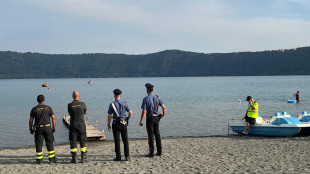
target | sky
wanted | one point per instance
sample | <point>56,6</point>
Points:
<point>149,26</point>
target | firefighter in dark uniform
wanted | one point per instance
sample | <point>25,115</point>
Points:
<point>77,128</point>
<point>117,111</point>
<point>42,114</point>
<point>149,108</point>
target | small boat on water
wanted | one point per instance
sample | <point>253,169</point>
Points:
<point>44,84</point>
<point>90,82</point>
<point>291,101</point>
<point>280,125</point>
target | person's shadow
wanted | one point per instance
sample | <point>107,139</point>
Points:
<point>11,159</point>
<point>17,160</point>
<point>61,159</point>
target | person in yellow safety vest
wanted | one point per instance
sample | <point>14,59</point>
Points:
<point>251,114</point>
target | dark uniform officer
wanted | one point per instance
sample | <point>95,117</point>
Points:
<point>149,107</point>
<point>77,128</point>
<point>42,114</point>
<point>119,125</point>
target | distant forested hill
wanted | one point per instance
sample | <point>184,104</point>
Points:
<point>169,63</point>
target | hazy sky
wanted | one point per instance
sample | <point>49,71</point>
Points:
<point>148,26</point>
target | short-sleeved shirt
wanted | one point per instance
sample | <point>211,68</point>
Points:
<point>76,110</point>
<point>149,102</point>
<point>121,107</point>
<point>41,114</point>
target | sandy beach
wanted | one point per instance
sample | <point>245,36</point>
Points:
<point>233,154</point>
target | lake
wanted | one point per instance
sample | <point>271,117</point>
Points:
<point>196,106</point>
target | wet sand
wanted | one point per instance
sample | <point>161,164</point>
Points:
<point>233,154</point>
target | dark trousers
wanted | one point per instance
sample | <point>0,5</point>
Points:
<point>120,129</point>
<point>77,132</point>
<point>44,133</point>
<point>152,127</point>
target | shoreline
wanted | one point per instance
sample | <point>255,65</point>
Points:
<point>233,154</point>
<point>131,139</point>
<point>172,137</point>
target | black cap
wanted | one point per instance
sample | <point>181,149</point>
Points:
<point>248,98</point>
<point>148,85</point>
<point>117,91</point>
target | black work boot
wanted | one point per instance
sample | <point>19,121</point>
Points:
<point>158,154</point>
<point>117,159</point>
<point>150,155</point>
<point>83,157</point>
<point>39,161</point>
<point>74,158</point>
<point>52,160</point>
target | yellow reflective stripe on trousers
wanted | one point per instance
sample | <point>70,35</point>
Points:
<point>83,149</point>
<point>74,150</point>
<point>51,152</point>
<point>51,156</point>
<point>39,155</point>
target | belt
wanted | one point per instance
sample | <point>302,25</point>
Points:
<point>122,121</point>
<point>151,115</point>
<point>119,120</point>
<point>44,125</point>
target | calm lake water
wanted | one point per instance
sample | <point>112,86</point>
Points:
<point>196,106</point>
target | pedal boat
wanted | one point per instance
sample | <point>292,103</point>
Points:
<point>304,118</point>
<point>280,125</point>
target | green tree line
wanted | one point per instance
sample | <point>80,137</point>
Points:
<point>169,63</point>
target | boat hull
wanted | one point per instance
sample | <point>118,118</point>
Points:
<point>305,119</point>
<point>305,131</point>
<point>275,131</point>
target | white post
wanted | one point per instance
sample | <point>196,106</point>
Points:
<point>88,120</point>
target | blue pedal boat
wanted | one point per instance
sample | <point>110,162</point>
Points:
<point>304,118</point>
<point>291,101</point>
<point>280,125</point>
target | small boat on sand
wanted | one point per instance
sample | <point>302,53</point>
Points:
<point>304,118</point>
<point>280,125</point>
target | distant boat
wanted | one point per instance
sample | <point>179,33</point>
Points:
<point>90,82</point>
<point>44,84</point>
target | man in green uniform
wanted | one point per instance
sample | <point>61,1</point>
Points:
<point>77,128</point>
<point>42,114</point>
